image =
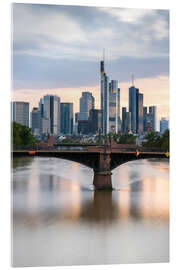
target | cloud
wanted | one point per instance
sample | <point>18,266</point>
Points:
<point>61,46</point>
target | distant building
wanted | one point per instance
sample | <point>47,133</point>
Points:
<point>35,121</point>
<point>84,127</point>
<point>140,113</point>
<point>45,126</point>
<point>114,106</point>
<point>66,118</point>
<point>123,127</point>
<point>164,124</point>
<point>145,119</point>
<point>94,121</point>
<point>86,104</point>
<point>152,113</point>
<point>133,108</point>
<point>51,111</point>
<point>20,111</point>
<point>110,103</point>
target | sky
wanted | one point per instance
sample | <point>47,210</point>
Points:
<point>56,49</point>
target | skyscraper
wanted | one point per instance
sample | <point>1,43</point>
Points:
<point>140,113</point>
<point>86,104</point>
<point>133,108</point>
<point>20,112</point>
<point>66,119</point>
<point>110,103</point>
<point>164,124</point>
<point>51,111</point>
<point>152,112</point>
<point>123,128</point>
<point>35,121</point>
<point>114,106</point>
<point>94,120</point>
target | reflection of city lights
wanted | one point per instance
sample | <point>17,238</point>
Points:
<point>155,198</point>
<point>124,203</point>
<point>71,199</point>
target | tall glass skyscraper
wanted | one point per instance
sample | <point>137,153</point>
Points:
<point>66,118</point>
<point>50,104</point>
<point>110,103</point>
<point>152,112</point>
<point>133,108</point>
<point>86,104</point>
<point>140,113</point>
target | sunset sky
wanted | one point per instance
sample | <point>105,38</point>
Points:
<point>57,50</point>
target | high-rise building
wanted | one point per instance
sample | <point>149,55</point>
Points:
<point>86,104</point>
<point>84,127</point>
<point>133,108</point>
<point>140,113</point>
<point>123,127</point>
<point>110,103</point>
<point>114,106</point>
<point>35,121</point>
<point>144,119</point>
<point>51,111</point>
<point>149,119</point>
<point>164,124</point>
<point>20,112</point>
<point>126,121</point>
<point>66,118</point>
<point>152,112</point>
<point>94,121</point>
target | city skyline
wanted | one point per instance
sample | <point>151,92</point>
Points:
<point>50,69</point>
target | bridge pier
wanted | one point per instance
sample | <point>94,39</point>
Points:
<point>102,174</point>
<point>102,180</point>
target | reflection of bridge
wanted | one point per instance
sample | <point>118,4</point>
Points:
<point>100,158</point>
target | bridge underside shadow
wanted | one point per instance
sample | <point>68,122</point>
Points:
<point>101,162</point>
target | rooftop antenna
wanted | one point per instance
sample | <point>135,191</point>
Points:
<point>104,54</point>
<point>132,79</point>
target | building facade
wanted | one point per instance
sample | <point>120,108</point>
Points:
<point>66,118</point>
<point>35,121</point>
<point>20,112</point>
<point>110,103</point>
<point>94,121</point>
<point>51,111</point>
<point>164,124</point>
<point>86,104</point>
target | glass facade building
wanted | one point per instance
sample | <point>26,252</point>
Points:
<point>20,112</point>
<point>66,119</point>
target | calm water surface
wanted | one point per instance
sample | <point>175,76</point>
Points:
<point>58,219</point>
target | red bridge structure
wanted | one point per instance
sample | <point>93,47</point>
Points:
<point>102,159</point>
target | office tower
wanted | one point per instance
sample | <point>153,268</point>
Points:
<point>123,120</point>
<point>35,121</point>
<point>66,118</point>
<point>104,100</point>
<point>128,123</point>
<point>152,113</point>
<point>164,124</point>
<point>140,113</point>
<point>94,121</point>
<point>21,112</point>
<point>45,126</point>
<point>84,127</point>
<point>133,108</point>
<point>114,106</point>
<point>51,111</point>
<point>110,103</point>
<point>86,104</point>
<point>144,119</point>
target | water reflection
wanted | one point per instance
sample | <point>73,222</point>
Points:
<point>46,202</point>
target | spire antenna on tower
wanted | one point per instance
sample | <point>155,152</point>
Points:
<point>103,54</point>
<point>132,79</point>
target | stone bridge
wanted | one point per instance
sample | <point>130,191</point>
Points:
<point>102,159</point>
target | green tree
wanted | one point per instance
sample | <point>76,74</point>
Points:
<point>22,136</point>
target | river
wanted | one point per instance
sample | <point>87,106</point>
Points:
<point>58,218</point>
